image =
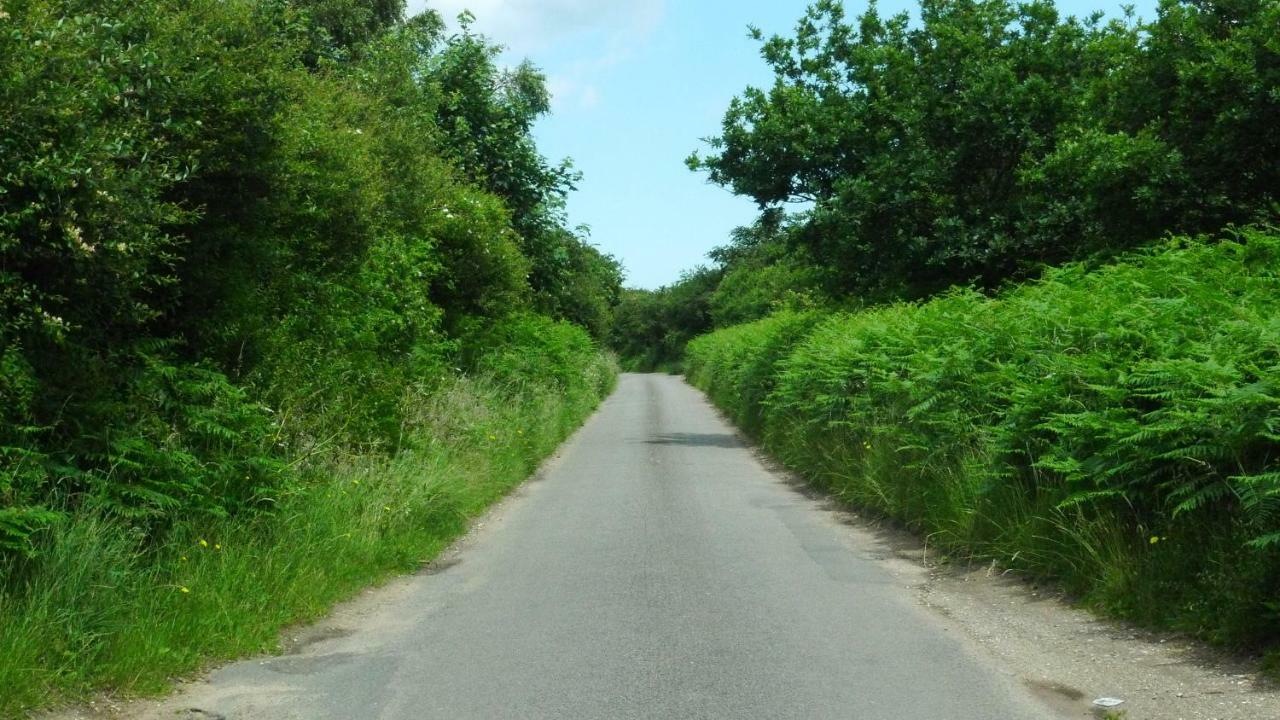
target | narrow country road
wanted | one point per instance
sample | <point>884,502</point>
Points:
<point>655,570</point>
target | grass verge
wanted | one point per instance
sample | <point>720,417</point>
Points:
<point>103,610</point>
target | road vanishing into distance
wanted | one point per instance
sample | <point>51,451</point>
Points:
<point>655,569</point>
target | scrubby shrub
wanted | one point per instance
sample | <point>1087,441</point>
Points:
<point>535,349</point>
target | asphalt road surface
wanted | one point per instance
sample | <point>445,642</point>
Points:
<point>655,570</point>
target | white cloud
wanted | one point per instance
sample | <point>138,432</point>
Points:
<point>576,85</point>
<point>589,98</point>
<point>576,42</point>
<point>529,26</point>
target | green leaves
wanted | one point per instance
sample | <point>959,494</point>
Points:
<point>990,138</point>
<point>651,327</point>
<point>238,234</point>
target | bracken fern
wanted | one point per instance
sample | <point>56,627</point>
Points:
<point>1113,427</point>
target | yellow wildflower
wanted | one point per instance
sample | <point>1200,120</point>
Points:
<point>185,589</point>
<point>204,543</point>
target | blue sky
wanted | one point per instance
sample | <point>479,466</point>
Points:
<point>636,85</point>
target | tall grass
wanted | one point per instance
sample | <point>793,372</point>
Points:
<point>1114,428</point>
<point>101,609</point>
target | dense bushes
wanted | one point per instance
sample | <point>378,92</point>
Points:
<point>1117,429</point>
<point>529,349</point>
<point>232,233</point>
<point>242,243</point>
<point>756,274</point>
<point>650,327</point>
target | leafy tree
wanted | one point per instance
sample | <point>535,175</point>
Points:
<point>225,245</point>
<point>651,327</point>
<point>763,271</point>
<point>1207,82</point>
<point>346,25</point>
<point>582,284</point>
<point>991,138</point>
<point>485,116</point>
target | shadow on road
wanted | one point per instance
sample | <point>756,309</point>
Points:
<point>721,440</point>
